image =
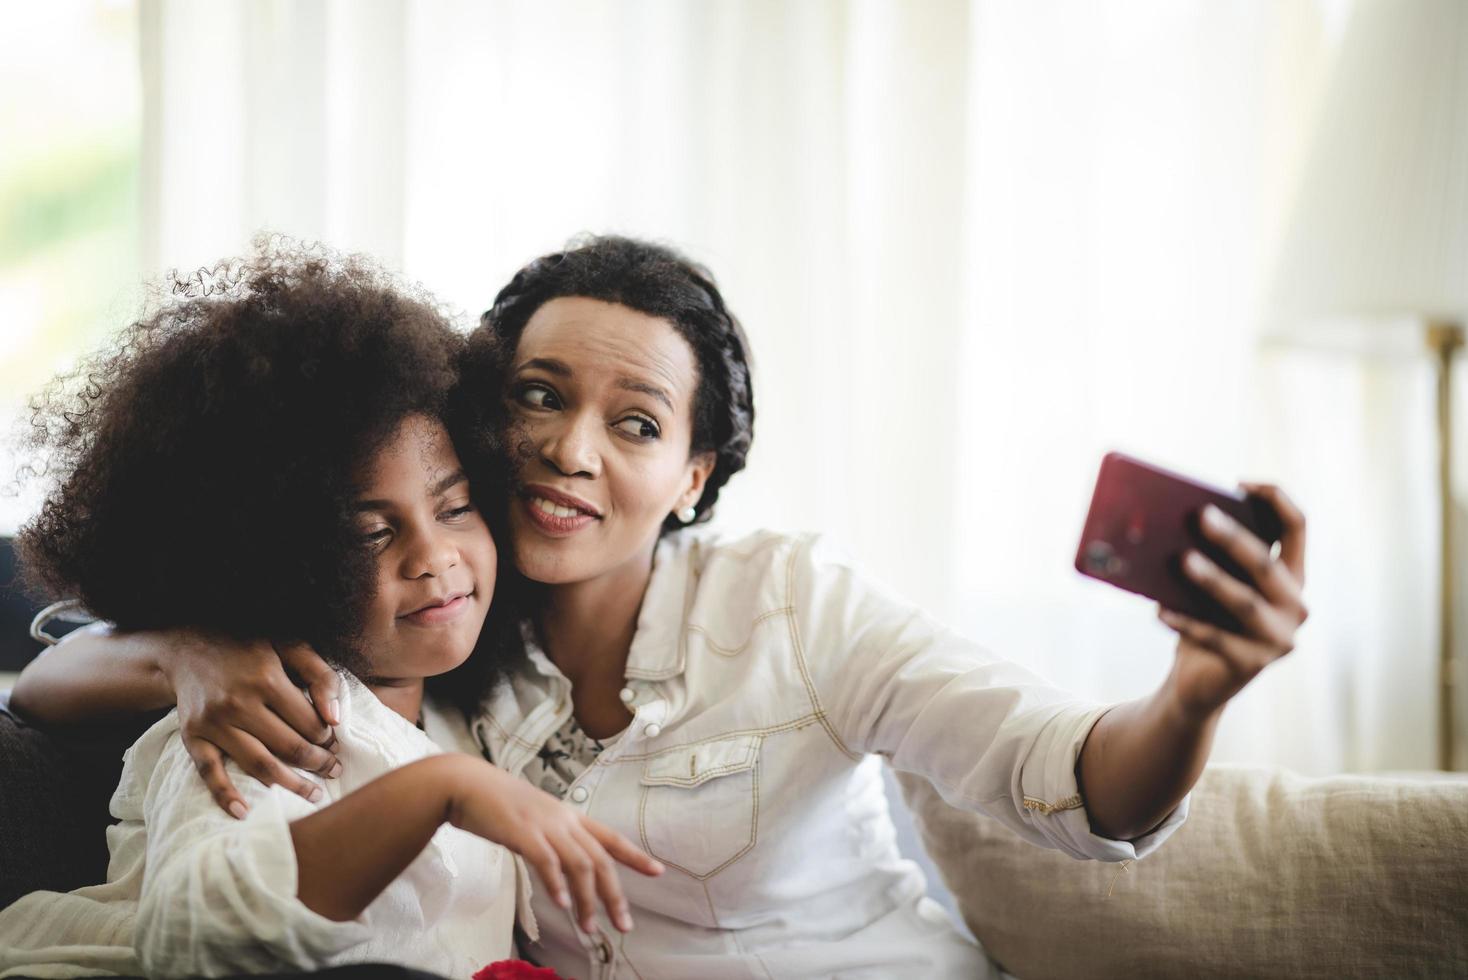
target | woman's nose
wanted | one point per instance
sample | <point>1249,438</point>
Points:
<point>571,447</point>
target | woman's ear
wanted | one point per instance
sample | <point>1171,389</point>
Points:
<point>700,467</point>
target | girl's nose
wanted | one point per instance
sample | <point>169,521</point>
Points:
<point>429,553</point>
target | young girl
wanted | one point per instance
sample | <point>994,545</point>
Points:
<point>270,456</point>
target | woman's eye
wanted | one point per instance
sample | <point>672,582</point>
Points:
<point>377,537</point>
<point>538,396</point>
<point>638,427</point>
<point>458,513</point>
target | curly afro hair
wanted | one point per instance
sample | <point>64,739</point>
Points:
<point>205,464</point>
<point>651,279</point>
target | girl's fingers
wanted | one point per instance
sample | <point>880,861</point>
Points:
<point>317,675</point>
<point>1292,540</point>
<point>608,887</point>
<point>542,857</point>
<point>209,761</point>
<point>623,850</point>
<point>580,872</point>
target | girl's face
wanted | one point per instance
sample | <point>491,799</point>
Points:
<point>435,556</point>
<point>602,403</point>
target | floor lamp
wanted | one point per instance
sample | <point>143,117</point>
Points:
<point>1379,229</point>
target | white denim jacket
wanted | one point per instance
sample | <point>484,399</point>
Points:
<point>765,677</point>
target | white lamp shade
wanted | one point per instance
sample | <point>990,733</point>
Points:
<point>1379,226</point>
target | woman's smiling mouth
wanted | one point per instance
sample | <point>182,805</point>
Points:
<point>554,513</point>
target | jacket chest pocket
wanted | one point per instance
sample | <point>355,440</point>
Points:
<point>700,804</point>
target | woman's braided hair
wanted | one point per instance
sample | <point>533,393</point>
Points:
<point>651,279</point>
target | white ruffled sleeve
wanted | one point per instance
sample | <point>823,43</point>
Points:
<point>219,894</point>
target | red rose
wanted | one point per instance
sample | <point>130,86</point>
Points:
<point>516,970</point>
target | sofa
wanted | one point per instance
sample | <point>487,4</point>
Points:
<point>1273,875</point>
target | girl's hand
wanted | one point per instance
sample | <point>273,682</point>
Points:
<point>1214,664</point>
<point>237,699</point>
<point>554,839</point>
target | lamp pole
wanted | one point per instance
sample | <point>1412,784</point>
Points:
<point>1444,340</point>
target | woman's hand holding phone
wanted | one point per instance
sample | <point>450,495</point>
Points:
<point>1213,664</point>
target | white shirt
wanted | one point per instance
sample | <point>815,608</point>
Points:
<point>193,892</point>
<point>765,677</point>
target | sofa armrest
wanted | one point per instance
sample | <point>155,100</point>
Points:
<point>54,793</point>
<point>1274,874</point>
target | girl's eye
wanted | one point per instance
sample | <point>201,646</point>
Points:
<point>377,538</point>
<point>538,396</point>
<point>639,427</point>
<point>458,513</point>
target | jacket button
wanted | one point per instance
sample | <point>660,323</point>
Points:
<point>626,694</point>
<point>653,730</point>
<point>579,794</point>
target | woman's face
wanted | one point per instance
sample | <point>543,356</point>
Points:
<point>435,556</point>
<point>602,409</point>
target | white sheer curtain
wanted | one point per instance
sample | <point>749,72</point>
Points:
<point>975,244</point>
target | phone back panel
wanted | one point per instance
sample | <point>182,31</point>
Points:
<point>1143,518</point>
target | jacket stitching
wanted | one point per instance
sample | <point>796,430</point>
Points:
<point>810,687</point>
<point>724,651</point>
<point>622,955</point>
<point>753,834</point>
<point>788,726</point>
<point>701,778</point>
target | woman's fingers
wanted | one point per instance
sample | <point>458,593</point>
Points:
<point>319,678</point>
<point>1275,580</point>
<point>255,759</point>
<point>623,850</point>
<point>608,887</point>
<point>1292,540</point>
<point>287,745</point>
<point>1247,606</point>
<point>209,761</point>
<point>1245,657</point>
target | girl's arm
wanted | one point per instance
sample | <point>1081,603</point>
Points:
<point>1143,757</point>
<point>346,853</point>
<point>234,699</point>
<point>282,888</point>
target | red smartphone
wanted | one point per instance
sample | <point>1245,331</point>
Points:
<point>1143,518</point>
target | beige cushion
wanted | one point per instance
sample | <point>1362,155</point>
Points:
<point>1272,875</point>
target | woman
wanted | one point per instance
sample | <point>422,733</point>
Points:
<point>721,701</point>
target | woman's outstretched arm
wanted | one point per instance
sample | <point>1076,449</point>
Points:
<point>235,699</point>
<point>1141,758</point>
